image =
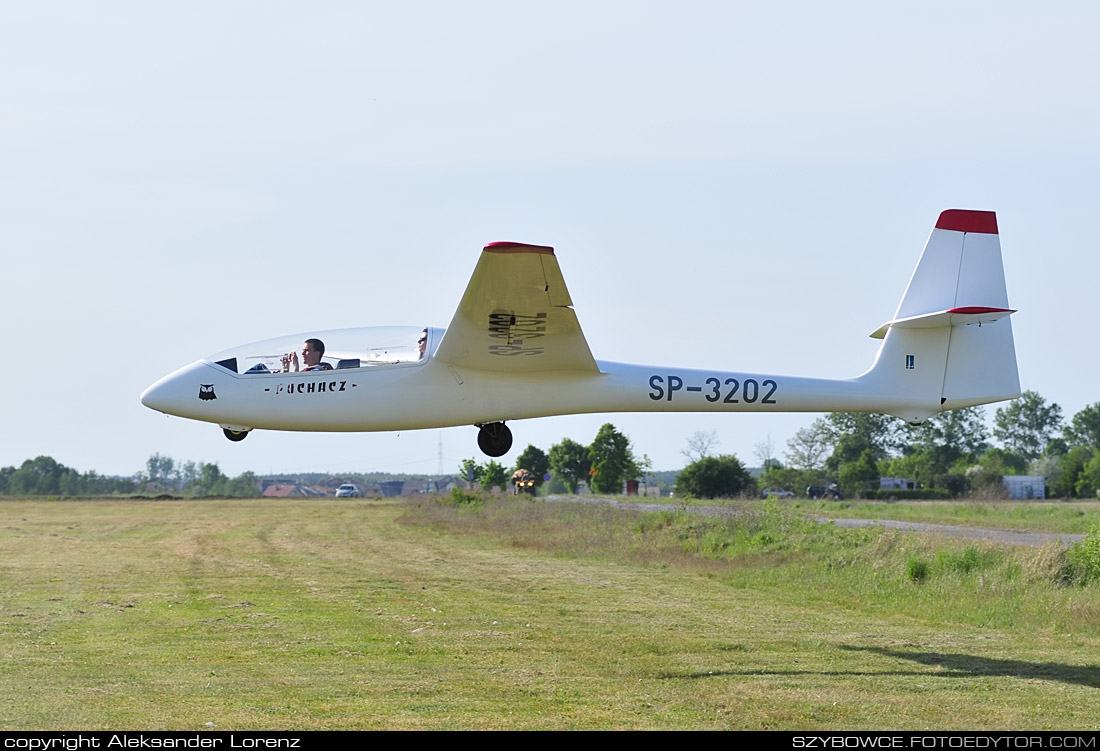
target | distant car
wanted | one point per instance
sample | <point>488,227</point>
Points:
<point>347,491</point>
<point>777,492</point>
<point>824,491</point>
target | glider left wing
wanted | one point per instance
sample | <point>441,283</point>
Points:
<point>516,316</point>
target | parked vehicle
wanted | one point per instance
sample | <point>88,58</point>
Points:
<point>824,491</point>
<point>780,492</point>
<point>524,481</point>
<point>347,491</point>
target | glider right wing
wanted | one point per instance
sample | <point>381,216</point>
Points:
<point>516,316</point>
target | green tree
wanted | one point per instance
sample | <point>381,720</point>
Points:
<point>1003,462</point>
<point>921,466</point>
<point>880,433</point>
<point>210,482</point>
<point>612,460</point>
<point>243,485</point>
<point>161,471</point>
<point>855,476</point>
<point>1084,428</point>
<point>535,461</point>
<point>714,477</point>
<point>1063,482</point>
<point>789,478</point>
<point>1088,481</point>
<point>569,463</point>
<point>1026,426</point>
<point>38,476</point>
<point>960,431</point>
<point>941,448</point>
<point>494,475</point>
<point>848,449</point>
<point>470,470</point>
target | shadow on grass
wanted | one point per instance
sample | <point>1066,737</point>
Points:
<point>965,666</point>
<point>951,665</point>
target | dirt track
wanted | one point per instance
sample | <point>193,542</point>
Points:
<point>1010,537</point>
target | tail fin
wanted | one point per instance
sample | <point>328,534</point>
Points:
<point>950,343</point>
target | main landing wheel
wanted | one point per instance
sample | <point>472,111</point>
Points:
<point>494,438</point>
<point>235,435</point>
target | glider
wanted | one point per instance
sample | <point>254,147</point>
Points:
<point>514,350</point>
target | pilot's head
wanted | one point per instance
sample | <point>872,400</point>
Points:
<point>422,342</point>
<point>312,350</point>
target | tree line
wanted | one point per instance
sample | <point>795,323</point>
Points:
<point>605,464</point>
<point>948,456</point>
<point>950,453</point>
<point>44,476</point>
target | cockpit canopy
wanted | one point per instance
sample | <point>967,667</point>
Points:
<point>372,347</point>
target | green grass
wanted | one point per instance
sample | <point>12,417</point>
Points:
<point>522,614</point>
<point>1060,517</point>
<point>1055,516</point>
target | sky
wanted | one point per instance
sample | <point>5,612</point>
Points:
<point>728,185</point>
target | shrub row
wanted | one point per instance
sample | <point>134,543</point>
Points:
<point>922,494</point>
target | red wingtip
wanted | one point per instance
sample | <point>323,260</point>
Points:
<point>506,247</point>
<point>962,220</point>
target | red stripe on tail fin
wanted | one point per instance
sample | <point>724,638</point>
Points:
<point>962,220</point>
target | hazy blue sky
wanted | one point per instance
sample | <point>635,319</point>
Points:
<point>733,185</point>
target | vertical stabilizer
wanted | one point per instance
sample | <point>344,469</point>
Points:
<point>950,342</point>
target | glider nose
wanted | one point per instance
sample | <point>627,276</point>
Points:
<point>170,394</point>
<point>155,397</point>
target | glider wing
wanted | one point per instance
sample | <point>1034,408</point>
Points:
<point>516,316</point>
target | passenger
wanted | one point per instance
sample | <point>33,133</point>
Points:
<point>422,343</point>
<point>312,351</point>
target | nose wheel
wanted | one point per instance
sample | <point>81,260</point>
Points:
<point>494,439</point>
<point>235,435</point>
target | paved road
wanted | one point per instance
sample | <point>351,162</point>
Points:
<point>1011,537</point>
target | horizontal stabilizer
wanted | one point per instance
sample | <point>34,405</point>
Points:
<point>963,316</point>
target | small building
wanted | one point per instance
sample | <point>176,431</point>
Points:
<point>289,490</point>
<point>1022,487</point>
<point>896,483</point>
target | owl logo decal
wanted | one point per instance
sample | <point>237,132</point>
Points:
<point>206,392</point>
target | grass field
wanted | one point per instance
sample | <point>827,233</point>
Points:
<point>368,614</point>
<point>1056,516</point>
<point>1062,517</point>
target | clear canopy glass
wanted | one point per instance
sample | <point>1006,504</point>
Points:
<point>372,347</point>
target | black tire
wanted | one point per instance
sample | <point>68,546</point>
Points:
<point>235,435</point>
<point>494,439</point>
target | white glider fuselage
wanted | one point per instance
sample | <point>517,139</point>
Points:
<point>432,395</point>
<point>515,350</point>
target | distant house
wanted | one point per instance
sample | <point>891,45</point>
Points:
<point>392,488</point>
<point>1022,487</point>
<point>272,490</point>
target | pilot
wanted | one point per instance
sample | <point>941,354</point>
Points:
<point>312,350</point>
<point>422,343</point>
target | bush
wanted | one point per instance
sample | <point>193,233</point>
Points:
<point>459,498</point>
<point>1085,556</point>
<point>970,559</point>
<point>714,477</point>
<point>925,494</point>
<point>917,568</point>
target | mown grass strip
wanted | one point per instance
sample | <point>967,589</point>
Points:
<point>359,614</point>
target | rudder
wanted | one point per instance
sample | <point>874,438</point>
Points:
<point>950,342</point>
